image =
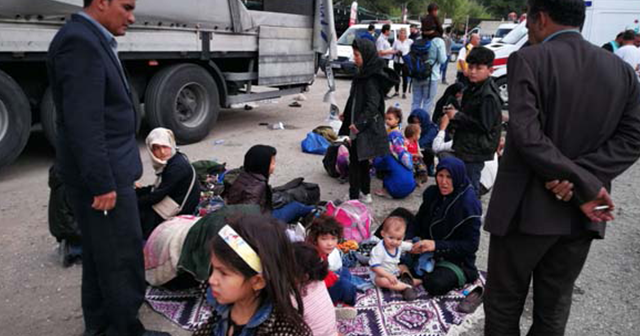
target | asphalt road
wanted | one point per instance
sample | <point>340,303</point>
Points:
<point>38,296</point>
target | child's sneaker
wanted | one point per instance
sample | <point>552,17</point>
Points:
<point>346,313</point>
<point>366,198</point>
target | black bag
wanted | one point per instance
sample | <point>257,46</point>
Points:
<point>296,190</point>
<point>62,222</point>
<point>330,158</point>
<point>417,60</point>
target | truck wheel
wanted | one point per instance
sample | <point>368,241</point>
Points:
<point>15,119</point>
<point>183,98</point>
<point>501,83</point>
<point>48,114</point>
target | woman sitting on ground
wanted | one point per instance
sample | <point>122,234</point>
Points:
<point>175,178</point>
<point>448,224</point>
<point>252,185</point>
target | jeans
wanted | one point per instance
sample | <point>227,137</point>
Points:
<point>343,290</point>
<point>424,94</point>
<point>474,172</point>
<point>291,211</point>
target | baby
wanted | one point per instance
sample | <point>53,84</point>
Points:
<point>385,258</point>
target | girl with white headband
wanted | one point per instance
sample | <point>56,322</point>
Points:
<point>254,281</point>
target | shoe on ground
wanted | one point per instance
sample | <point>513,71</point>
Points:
<point>366,198</point>
<point>472,301</point>
<point>404,96</point>
<point>410,294</point>
<point>395,95</point>
<point>155,333</point>
<point>346,313</point>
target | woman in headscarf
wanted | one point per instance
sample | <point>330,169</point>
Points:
<point>252,185</point>
<point>175,178</point>
<point>448,225</point>
<point>363,116</point>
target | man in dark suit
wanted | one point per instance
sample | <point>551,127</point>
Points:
<point>98,159</point>
<point>574,126</point>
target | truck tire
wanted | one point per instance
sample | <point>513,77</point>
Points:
<point>48,117</point>
<point>15,119</point>
<point>183,98</point>
<point>501,83</point>
<point>48,114</point>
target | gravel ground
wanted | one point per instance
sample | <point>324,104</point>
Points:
<point>39,297</point>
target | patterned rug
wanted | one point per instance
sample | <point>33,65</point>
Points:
<point>380,312</point>
<point>385,313</point>
<point>186,308</point>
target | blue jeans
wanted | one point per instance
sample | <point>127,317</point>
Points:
<point>474,171</point>
<point>343,290</point>
<point>291,211</point>
<point>424,94</point>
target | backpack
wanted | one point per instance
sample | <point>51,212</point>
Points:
<point>417,60</point>
<point>330,159</point>
<point>296,190</point>
<point>354,217</point>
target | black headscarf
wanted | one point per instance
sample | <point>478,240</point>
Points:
<point>258,160</point>
<point>371,63</point>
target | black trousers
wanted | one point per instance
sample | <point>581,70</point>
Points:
<point>113,283</point>
<point>403,71</point>
<point>553,262</point>
<point>359,178</point>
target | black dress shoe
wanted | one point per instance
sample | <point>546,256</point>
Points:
<point>155,333</point>
<point>95,332</point>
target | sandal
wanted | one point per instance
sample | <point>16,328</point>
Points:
<point>472,301</point>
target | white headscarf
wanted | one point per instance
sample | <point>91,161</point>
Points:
<point>164,137</point>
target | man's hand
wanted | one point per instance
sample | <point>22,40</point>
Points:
<point>137,185</point>
<point>603,199</point>
<point>423,246</point>
<point>562,189</point>
<point>104,202</point>
<point>341,116</point>
<point>444,122</point>
<point>354,129</point>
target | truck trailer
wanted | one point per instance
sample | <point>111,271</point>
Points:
<point>185,60</point>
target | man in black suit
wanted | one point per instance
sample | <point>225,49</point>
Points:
<point>574,126</point>
<point>98,159</point>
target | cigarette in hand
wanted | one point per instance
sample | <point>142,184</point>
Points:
<point>106,213</point>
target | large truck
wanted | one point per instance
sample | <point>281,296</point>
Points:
<point>185,60</point>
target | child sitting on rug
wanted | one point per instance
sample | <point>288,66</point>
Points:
<point>385,258</point>
<point>318,308</point>
<point>412,137</point>
<point>324,233</point>
<point>254,281</point>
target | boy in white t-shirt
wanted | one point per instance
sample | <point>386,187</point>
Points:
<point>385,257</point>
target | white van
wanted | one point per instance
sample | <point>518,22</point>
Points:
<point>502,31</point>
<point>344,63</point>
<point>604,20</point>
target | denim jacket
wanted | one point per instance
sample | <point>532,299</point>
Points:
<point>224,312</point>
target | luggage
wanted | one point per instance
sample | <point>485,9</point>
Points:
<point>315,143</point>
<point>354,217</point>
<point>417,60</point>
<point>62,222</point>
<point>331,158</point>
<point>327,132</point>
<point>296,190</point>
